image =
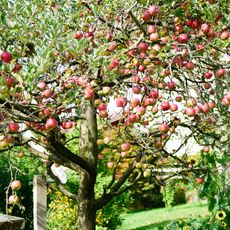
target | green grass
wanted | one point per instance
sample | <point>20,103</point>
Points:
<point>152,219</point>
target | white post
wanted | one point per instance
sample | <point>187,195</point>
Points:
<point>40,203</point>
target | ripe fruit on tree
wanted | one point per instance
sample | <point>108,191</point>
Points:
<point>163,127</point>
<point>165,106</point>
<point>146,16</point>
<point>41,85</point>
<point>9,81</point>
<point>125,146</point>
<point>110,164</point>
<point>6,57</point>
<point>67,124</point>
<point>190,111</point>
<point>51,123</point>
<point>206,149</point>
<point>143,46</point>
<point>154,10</point>
<point>220,73</point>
<point>16,185</point>
<point>121,101</point>
<point>88,94</point>
<point>182,38</point>
<point>13,127</point>
<point>13,199</point>
<point>224,35</point>
<point>199,180</point>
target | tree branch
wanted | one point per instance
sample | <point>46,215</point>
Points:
<point>65,153</point>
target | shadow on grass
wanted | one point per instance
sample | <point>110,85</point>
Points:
<point>153,226</point>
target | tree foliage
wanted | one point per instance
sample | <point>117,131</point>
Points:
<point>165,65</point>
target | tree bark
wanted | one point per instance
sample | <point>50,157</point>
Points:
<point>86,209</point>
<point>88,151</point>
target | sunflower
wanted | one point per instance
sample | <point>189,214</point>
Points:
<point>224,225</point>
<point>220,215</point>
<point>192,160</point>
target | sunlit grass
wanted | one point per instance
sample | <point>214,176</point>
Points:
<point>151,219</point>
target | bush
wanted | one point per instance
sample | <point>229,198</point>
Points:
<point>109,217</point>
<point>62,211</point>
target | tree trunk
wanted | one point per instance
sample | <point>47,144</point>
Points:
<point>88,151</point>
<point>86,210</point>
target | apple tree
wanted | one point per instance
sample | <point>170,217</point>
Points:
<point>119,81</point>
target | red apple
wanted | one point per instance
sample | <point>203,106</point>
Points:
<point>78,35</point>
<point>134,102</point>
<point>182,38</point>
<point>121,102</point>
<point>13,127</point>
<point>206,149</point>
<point>207,85</point>
<point>163,127</point>
<point>165,106</point>
<point>6,57</point>
<point>211,104</point>
<point>136,89</point>
<point>88,94</point>
<point>115,63</point>
<point>151,29</point>
<point>154,109</point>
<point>143,46</point>
<point>41,85</point>
<point>17,68</point>
<point>102,114</point>
<point>220,73</point>
<point>47,93</point>
<point>154,37</point>
<point>208,75</point>
<point>51,123</point>
<point>110,164</point>
<point>154,10</point>
<point>146,16</point>
<point>13,199</point>
<point>133,118</point>
<point>125,146</point>
<point>102,106</point>
<point>67,124</point>
<point>154,94</point>
<point>112,46</point>
<point>224,35</point>
<point>173,107</point>
<point>190,66</point>
<point>16,185</point>
<point>225,101</point>
<point>190,111</point>
<point>199,180</point>
<point>191,102</point>
<point>178,98</point>
<point>205,28</point>
<point>171,85</point>
<point>205,108</point>
<point>141,110</point>
<point>9,81</point>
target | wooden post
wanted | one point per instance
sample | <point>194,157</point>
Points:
<point>40,203</point>
<point>11,222</point>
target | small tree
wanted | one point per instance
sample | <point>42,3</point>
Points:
<point>164,65</point>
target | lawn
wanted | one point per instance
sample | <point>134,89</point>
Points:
<point>151,219</point>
